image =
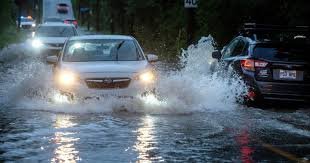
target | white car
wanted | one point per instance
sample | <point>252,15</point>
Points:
<point>103,65</point>
<point>49,38</point>
<point>27,23</point>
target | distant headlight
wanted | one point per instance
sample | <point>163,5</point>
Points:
<point>33,25</point>
<point>37,43</point>
<point>147,77</point>
<point>66,78</point>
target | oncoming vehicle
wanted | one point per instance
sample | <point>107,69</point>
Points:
<point>62,8</point>
<point>27,23</point>
<point>272,60</point>
<point>103,65</point>
<point>60,20</point>
<point>49,38</point>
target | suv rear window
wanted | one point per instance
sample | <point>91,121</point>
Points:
<point>283,52</point>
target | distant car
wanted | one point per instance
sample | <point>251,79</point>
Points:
<point>62,8</point>
<point>103,65</point>
<point>61,20</point>
<point>273,61</point>
<point>49,38</point>
<point>27,23</point>
<point>71,21</point>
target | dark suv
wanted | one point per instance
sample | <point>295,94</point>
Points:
<point>272,60</point>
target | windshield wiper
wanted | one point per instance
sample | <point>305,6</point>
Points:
<point>118,47</point>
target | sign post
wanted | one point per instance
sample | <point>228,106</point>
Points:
<point>190,6</point>
<point>190,3</point>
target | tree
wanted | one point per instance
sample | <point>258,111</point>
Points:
<point>160,24</point>
<point>5,14</point>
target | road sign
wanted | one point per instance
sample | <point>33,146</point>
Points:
<point>190,3</point>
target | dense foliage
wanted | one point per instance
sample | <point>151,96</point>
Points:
<point>223,18</point>
<point>5,14</point>
<point>7,28</point>
<point>160,25</point>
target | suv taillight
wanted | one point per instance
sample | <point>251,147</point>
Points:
<point>251,64</point>
<point>67,22</point>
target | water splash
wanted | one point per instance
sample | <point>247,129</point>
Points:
<point>196,87</point>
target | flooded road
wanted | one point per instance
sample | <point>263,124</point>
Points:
<point>242,135</point>
<point>197,119</point>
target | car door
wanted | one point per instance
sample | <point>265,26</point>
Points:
<point>233,52</point>
<point>227,53</point>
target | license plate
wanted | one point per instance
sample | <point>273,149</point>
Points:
<point>288,74</point>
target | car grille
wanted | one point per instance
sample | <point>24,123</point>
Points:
<point>26,26</point>
<point>107,83</point>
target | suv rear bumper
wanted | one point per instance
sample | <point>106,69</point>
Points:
<point>284,91</point>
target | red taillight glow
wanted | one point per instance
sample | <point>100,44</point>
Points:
<point>251,95</point>
<point>250,64</point>
<point>66,22</point>
<point>75,22</point>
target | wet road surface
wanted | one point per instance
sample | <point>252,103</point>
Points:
<point>241,135</point>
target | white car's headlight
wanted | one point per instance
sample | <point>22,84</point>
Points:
<point>33,25</point>
<point>147,77</point>
<point>37,43</point>
<point>66,78</point>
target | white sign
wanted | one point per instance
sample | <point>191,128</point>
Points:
<point>190,3</point>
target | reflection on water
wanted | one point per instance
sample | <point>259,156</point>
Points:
<point>64,121</point>
<point>65,141</point>
<point>146,141</point>
<point>243,140</point>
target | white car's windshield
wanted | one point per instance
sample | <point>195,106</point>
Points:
<point>55,31</point>
<point>26,20</point>
<point>102,50</point>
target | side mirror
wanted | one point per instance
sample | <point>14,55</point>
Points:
<point>216,54</point>
<point>152,58</point>
<point>51,59</point>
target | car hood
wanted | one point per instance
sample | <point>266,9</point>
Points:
<point>106,66</point>
<point>26,23</point>
<point>53,40</point>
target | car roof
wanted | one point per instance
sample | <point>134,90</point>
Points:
<point>55,24</point>
<point>251,41</point>
<point>93,37</point>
